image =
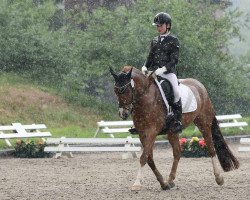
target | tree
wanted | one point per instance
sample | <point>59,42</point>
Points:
<point>121,37</point>
<point>27,45</point>
<point>76,58</point>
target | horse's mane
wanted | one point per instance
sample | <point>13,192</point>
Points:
<point>136,73</point>
<point>126,69</point>
<point>138,76</point>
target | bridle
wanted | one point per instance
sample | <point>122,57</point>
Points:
<point>122,90</point>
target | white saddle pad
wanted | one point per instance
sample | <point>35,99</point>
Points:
<point>189,103</point>
<point>188,100</point>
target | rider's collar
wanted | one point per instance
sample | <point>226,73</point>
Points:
<point>165,34</point>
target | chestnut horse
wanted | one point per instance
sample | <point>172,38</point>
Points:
<point>134,88</point>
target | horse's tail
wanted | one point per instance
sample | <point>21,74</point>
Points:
<point>227,160</point>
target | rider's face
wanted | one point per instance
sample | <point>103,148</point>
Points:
<point>162,28</point>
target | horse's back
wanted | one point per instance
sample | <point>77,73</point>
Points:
<point>191,82</point>
<point>196,86</point>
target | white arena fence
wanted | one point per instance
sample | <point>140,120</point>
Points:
<point>243,147</point>
<point>70,145</point>
<point>113,127</point>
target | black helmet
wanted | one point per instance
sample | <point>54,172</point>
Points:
<point>162,18</point>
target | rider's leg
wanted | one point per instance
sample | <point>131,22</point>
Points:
<point>177,107</point>
<point>172,78</point>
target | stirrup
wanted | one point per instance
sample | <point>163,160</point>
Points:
<point>177,127</point>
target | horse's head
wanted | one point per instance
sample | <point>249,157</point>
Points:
<point>124,91</point>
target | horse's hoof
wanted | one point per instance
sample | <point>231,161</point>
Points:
<point>171,184</point>
<point>219,180</point>
<point>136,188</point>
<point>166,186</point>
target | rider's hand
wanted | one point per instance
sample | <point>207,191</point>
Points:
<point>160,70</point>
<point>144,70</point>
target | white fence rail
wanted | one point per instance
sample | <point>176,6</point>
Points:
<point>69,145</point>
<point>112,127</point>
<point>244,141</point>
<point>17,130</point>
<point>230,121</point>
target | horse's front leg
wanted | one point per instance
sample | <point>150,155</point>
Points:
<point>151,163</point>
<point>137,184</point>
<point>143,160</point>
<point>174,141</point>
<point>147,157</point>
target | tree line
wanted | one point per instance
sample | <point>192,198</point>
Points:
<point>71,50</point>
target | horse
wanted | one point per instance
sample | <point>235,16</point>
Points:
<point>138,94</point>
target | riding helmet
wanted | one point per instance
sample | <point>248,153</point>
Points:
<point>162,18</point>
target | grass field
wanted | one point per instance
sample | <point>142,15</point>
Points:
<point>26,104</point>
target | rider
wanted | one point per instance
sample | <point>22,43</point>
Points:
<point>162,59</point>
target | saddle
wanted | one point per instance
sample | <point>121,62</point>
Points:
<point>189,103</point>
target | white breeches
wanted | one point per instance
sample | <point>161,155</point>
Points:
<point>172,78</point>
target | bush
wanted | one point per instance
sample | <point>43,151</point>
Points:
<point>193,148</point>
<point>30,149</point>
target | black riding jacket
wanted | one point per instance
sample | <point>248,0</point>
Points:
<point>163,53</point>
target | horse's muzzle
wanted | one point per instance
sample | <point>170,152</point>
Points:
<point>124,113</point>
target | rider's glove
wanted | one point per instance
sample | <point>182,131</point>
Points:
<point>160,70</point>
<point>144,70</point>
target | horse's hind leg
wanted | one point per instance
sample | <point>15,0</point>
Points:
<point>204,124</point>
<point>174,141</point>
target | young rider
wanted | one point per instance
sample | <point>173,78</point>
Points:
<point>162,59</point>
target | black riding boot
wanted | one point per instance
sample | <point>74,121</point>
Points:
<point>133,131</point>
<point>177,110</point>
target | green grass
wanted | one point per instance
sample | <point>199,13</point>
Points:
<point>27,103</point>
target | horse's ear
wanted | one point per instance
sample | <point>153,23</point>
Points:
<point>113,73</point>
<point>130,72</point>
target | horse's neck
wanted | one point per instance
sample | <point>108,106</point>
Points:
<point>147,95</point>
<point>141,83</point>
